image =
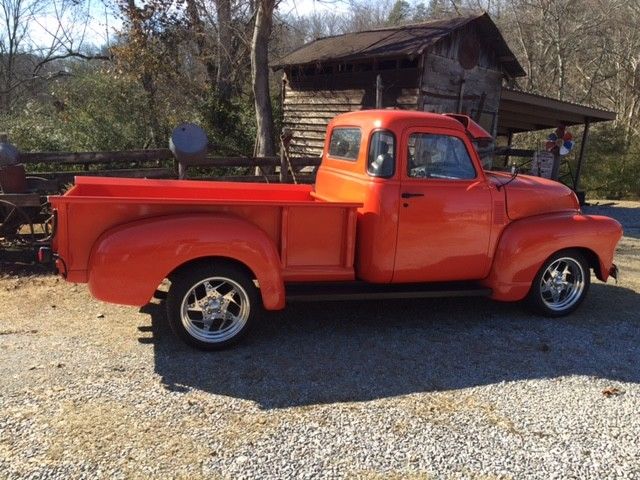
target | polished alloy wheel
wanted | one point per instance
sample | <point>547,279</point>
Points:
<point>215,309</point>
<point>562,284</point>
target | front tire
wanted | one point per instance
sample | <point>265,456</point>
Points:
<point>211,306</point>
<point>561,284</point>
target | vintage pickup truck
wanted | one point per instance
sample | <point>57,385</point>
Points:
<point>401,208</point>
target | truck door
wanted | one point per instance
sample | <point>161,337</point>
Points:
<point>445,209</point>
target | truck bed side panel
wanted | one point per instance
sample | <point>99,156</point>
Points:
<point>314,240</point>
<point>128,262</point>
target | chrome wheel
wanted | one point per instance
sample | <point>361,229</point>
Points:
<point>562,284</point>
<point>215,309</point>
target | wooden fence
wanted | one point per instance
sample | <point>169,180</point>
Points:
<point>160,163</point>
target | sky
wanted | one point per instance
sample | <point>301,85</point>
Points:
<point>102,23</point>
<point>306,7</point>
<point>96,31</point>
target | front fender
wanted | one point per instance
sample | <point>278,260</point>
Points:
<point>526,244</point>
<point>128,262</point>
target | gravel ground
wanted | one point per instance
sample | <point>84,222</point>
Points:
<point>460,388</point>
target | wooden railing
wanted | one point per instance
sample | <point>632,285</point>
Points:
<point>160,163</point>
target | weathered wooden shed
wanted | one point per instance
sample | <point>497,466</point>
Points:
<point>452,65</point>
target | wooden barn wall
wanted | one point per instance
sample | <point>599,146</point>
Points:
<point>450,45</point>
<point>307,113</point>
<point>482,84</point>
<point>311,101</point>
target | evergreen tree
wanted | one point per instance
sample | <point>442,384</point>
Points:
<point>400,13</point>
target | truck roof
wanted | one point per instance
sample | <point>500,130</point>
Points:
<point>396,119</point>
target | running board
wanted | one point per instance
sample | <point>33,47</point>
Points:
<point>325,291</point>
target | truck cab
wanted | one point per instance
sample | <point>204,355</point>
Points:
<point>429,214</point>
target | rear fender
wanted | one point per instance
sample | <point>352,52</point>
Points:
<point>526,244</point>
<point>128,262</point>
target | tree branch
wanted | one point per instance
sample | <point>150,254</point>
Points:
<point>64,56</point>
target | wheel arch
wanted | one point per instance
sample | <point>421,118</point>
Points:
<point>127,263</point>
<point>208,260</point>
<point>526,244</point>
<point>592,260</point>
<point>591,257</point>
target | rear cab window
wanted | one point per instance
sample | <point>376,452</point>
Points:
<point>345,143</point>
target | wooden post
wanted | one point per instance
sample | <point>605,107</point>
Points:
<point>176,167</point>
<point>285,141</point>
<point>379,91</point>
<point>583,149</point>
<point>461,95</point>
<point>555,171</point>
<point>420,105</point>
<point>509,142</point>
<point>182,170</point>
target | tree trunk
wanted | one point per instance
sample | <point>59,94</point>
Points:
<point>260,78</point>
<point>225,46</point>
<point>201,40</point>
<point>146,76</point>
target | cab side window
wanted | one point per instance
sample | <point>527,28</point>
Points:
<point>438,156</point>
<point>382,154</point>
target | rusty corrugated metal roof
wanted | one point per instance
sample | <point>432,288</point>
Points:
<point>407,40</point>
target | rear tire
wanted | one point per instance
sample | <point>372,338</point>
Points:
<point>561,284</point>
<point>212,305</point>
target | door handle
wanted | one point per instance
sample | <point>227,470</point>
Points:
<point>410,195</point>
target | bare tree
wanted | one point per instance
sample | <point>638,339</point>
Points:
<point>16,17</point>
<point>260,77</point>
<point>26,61</point>
<point>225,50</point>
<point>200,36</point>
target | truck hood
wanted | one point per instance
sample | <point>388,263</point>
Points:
<point>527,196</point>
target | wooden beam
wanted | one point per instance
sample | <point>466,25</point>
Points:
<point>520,125</point>
<point>460,95</point>
<point>379,91</point>
<point>420,100</point>
<point>581,156</point>
<point>550,117</point>
<point>66,176</point>
<point>23,199</point>
<point>250,162</point>
<point>96,157</point>
<point>301,178</point>
<point>529,100</point>
<point>515,152</point>
<point>509,143</point>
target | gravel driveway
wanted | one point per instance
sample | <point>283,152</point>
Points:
<point>459,388</point>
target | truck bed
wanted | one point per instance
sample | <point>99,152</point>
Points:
<point>315,238</point>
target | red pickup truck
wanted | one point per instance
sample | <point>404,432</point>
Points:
<point>401,208</point>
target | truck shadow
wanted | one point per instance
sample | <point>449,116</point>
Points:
<point>355,351</point>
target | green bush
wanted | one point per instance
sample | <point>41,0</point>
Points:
<point>612,168</point>
<point>94,110</point>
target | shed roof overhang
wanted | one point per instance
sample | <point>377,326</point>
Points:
<point>527,112</point>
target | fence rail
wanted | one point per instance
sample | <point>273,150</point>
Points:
<point>89,158</point>
<point>153,164</point>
